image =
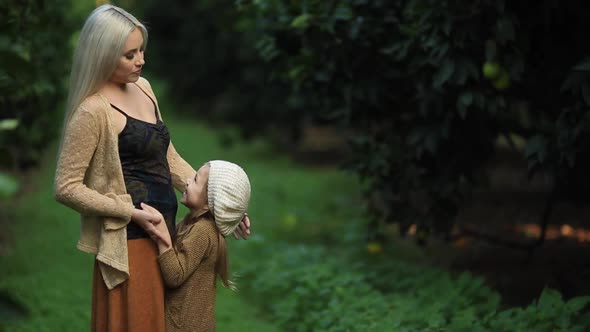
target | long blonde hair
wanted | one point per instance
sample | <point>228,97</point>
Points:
<point>222,264</point>
<point>98,51</point>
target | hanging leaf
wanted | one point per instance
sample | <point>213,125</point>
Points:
<point>302,21</point>
<point>584,66</point>
<point>8,124</point>
<point>504,30</point>
<point>444,73</point>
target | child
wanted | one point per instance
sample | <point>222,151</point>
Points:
<point>217,197</point>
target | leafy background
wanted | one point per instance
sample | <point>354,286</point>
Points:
<point>422,102</point>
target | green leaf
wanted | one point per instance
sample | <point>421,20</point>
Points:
<point>343,12</point>
<point>578,303</point>
<point>463,102</point>
<point>549,298</point>
<point>8,124</point>
<point>491,50</point>
<point>536,146</point>
<point>301,22</point>
<point>572,81</point>
<point>8,185</point>
<point>444,73</point>
<point>504,30</point>
<point>584,66</point>
<point>466,98</point>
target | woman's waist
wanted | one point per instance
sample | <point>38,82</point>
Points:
<point>154,194</point>
<point>147,177</point>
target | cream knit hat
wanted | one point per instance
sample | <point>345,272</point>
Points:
<point>228,194</point>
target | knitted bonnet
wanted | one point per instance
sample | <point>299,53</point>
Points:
<point>228,194</point>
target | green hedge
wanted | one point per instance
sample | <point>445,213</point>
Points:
<point>308,288</point>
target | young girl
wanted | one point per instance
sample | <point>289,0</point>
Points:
<point>217,197</point>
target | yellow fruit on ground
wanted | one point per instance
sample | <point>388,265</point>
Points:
<point>290,220</point>
<point>374,247</point>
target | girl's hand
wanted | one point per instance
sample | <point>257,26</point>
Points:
<point>143,218</point>
<point>243,230</point>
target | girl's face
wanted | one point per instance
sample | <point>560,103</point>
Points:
<point>195,195</point>
<point>131,61</point>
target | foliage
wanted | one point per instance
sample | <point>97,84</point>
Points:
<point>34,51</point>
<point>405,77</point>
<point>212,65</point>
<point>308,288</point>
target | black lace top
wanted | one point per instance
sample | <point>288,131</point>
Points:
<point>142,150</point>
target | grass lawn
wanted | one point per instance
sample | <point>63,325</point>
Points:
<point>42,269</point>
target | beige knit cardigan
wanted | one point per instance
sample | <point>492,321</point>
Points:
<point>89,179</point>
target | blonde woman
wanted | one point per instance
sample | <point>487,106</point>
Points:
<point>116,154</point>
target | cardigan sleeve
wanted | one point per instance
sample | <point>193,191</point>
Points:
<point>179,263</point>
<point>179,168</point>
<point>80,140</point>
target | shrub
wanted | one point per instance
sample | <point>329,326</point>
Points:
<point>35,55</point>
<point>307,288</point>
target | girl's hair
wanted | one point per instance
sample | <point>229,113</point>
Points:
<point>98,51</point>
<point>222,264</point>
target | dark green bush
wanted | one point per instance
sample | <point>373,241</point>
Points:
<point>308,288</point>
<point>35,57</point>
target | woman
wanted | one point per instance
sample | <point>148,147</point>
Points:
<point>116,154</point>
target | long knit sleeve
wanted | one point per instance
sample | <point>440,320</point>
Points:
<point>179,168</point>
<point>80,140</point>
<point>179,263</point>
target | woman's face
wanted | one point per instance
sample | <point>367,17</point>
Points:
<point>195,195</point>
<point>131,61</point>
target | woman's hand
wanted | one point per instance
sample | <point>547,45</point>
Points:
<point>243,230</point>
<point>149,219</point>
<point>159,230</point>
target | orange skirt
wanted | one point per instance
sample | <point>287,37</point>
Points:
<point>138,303</point>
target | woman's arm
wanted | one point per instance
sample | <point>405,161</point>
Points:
<point>179,169</point>
<point>80,140</point>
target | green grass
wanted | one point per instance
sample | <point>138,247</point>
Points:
<point>44,271</point>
